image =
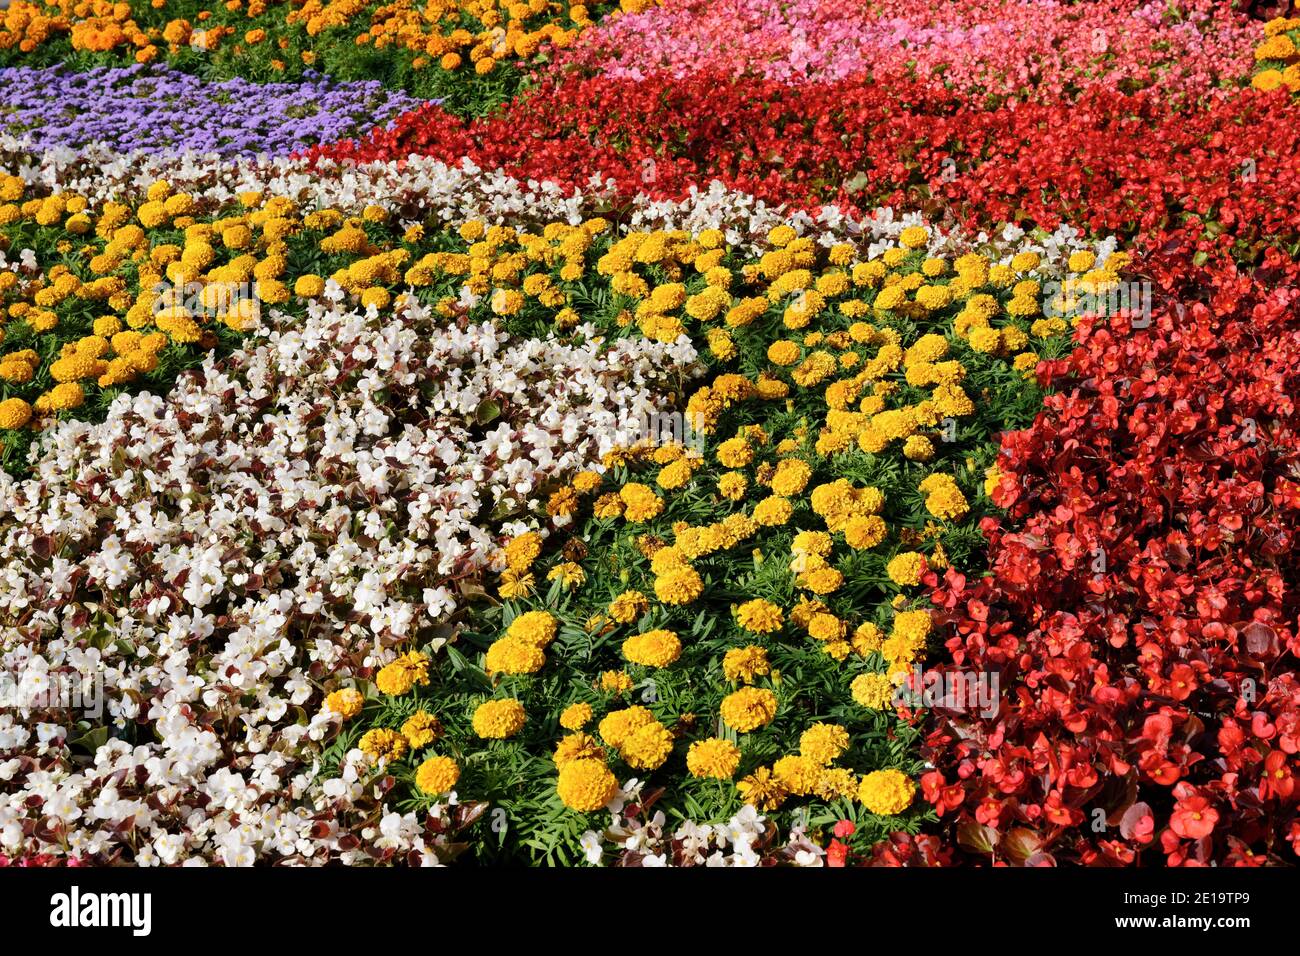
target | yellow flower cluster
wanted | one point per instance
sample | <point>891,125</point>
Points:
<point>404,673</point>
<point>94,26</point>
<point>857,372</point>
<point>174,273</point>
<point>448,34</point>
<point>477,34</point>
<point>796,531</point>
<point>1277,57</point>
<point>28,25</point>
<point>886,792</point>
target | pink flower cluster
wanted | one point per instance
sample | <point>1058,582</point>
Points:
<point>1038,48</point>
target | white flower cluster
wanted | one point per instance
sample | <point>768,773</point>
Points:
<point>420,189</point>
<point>743,841</point>
<point>221,559</point>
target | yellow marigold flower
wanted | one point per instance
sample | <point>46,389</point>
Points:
<point>933,297</point>
<point>943,498</point>
<point>918,448</point>
<point>748,709</point>
<point>1277,25</point>
<point>797,774</point>
<point>864,531</point>
<point>180,204</point>
<point>824,742</point>
<point>836,783</point>
<point>586,785</point>
<point>674,475</point>
<point>826,627</point>
<point>16,369</point>
<point>906,569</point>
<point>707,305</point>
<point>745,664</point>
<point>680,585</point>
<point>515,585</point>
<point>812,542</point>
<point>608,506</point>
<point>523,550</point>
<point>914,626</point>
<point>570,572</point>
<point>735,453</point>
<point>107,326</point>
<point>886,792</point>
<point>578,747</point>
<point>510,656</point>
<point>615,682</point>
<point>790,478</point>
<point>1267,80</point>
<point>647,747</point>
<point>346,702</point>
<point>382,744</point>
<point>421,729</point>
<point>236,237</point>
<point>628,607</point>
<point>617,726</point>
<point>732,485</point>
<point>14,412</point>
<point>507,301</point>
<point>272,291</point>
<point>868,638</point>
<point>781,236</point>
<point>986,340</point>
<point>1081,261</point>
<point>875,691</point>
<point>499,719</point>
<point>404,673</point>
<point>437,775</point>
<point>762,790</point>
<point>914,237</point>
<point>951,400</point>
<point>773,511</point>
<point>722,345</point>
<point>66,396</point>
<point>1277,47</point>
<point>822,580</point>
<point>837,649</point>
<point>585,482</point>
<point>533,627</point>
<point>657,648</point>
<point>576,716</point>
<point>377,296</point>
<point>759,616</point>
<point>713,758</point>
<point>640,503</point>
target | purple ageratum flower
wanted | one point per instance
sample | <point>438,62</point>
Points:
<point>160,110</point>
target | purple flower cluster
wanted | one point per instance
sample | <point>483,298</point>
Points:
<point>161,110</point>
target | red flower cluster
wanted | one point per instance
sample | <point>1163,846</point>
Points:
<point>662,136</point>
<point>1142,616</point>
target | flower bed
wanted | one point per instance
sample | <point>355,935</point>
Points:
<point>468,52</point>
<point>1144,601</point>
<point>1218,180</point>
<point>982,48</point>
<point>222,559</point>
<point>155,109</point>
<point>779,434</point>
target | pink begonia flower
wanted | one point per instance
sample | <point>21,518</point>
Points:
<point>1044,50</point>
